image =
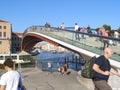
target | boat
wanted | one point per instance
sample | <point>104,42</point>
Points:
<point>22,57</point>
<point>35,51</point>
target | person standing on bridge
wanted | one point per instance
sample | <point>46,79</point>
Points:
<point>102,70</point>
<point>105,40</point>
<point>76,33</point>
<point>62,26</point>
<point>89,29</point>
<point>116,35</point>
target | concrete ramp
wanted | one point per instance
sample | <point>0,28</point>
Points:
<point>85,82</point>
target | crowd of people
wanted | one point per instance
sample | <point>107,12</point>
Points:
<point>101,31</point>
<point>105,34</point>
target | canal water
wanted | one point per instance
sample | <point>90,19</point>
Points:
<point>57,59</point>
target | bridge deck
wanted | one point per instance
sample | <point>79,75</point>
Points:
<point>89,44</point>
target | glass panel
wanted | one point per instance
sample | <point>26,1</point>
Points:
<point>1,57</point>
<point>24,57</point>
<point>14,57</point>
<point>6,57</point>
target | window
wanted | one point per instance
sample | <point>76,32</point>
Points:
<point>0,42</point>
<point>7,57</point>
<point>1,57</point>
<point>0,27</point>
<point>4,34</point>
<point>14,57</point>
<point>0,34</point>
<point>4,27</point>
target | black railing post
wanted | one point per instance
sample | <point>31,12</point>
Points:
<point>76,62</point>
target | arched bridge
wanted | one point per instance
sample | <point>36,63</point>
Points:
<point>30,39</point>
<point>37,34</point>
<point>81,43</point>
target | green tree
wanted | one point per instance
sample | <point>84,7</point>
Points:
<point>107,27</point>
<point>118,30</point>
<point>97,29</point>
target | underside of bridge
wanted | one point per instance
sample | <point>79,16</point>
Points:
<point>29,41</point>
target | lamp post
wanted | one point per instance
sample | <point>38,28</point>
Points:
<point>10,46</point>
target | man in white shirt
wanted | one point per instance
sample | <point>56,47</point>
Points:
<point>11,79</point>
<point>116,35</point>
<point>50,66</point>
<point>77,34</point>
<point>62,26</point>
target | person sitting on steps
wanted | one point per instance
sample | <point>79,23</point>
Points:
<point>64,70</point>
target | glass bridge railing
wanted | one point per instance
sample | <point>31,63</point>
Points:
<point>89,42</point>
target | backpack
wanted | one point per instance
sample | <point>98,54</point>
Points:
<point>87,71</point>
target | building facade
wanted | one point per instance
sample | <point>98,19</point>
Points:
<point>5,37</point>
<point>10,44</point>
<point>16,42</point>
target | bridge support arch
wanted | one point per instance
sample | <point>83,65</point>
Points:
<point>29,40</point>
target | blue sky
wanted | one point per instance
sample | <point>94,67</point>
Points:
<point>25,13</point>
